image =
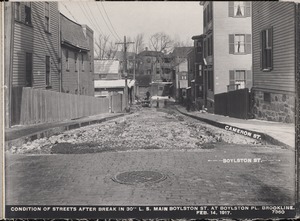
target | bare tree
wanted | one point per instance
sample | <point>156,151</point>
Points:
<point>101,46</point>
<point>139,43</point>
<point>177,42</point>
<point>160,42</point>
<point>111,50</point>
<point>130,47</point>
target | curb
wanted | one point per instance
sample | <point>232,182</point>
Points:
<point>55,130</point>
<point>254,134</point>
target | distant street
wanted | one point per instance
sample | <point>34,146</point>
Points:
<point>199,163</point>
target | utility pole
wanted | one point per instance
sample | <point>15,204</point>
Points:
<point>125,70</point>
<point>134,72</point>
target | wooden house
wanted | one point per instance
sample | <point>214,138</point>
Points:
<point>195,76</point>
<point>31,53</point>
<point>275,49</point>
<point>226,47</point>
<point>36,45</point>
<point>77,57</point>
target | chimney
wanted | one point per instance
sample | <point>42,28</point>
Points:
<point>146,48</point>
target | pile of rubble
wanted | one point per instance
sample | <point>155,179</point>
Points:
<point>146,128</point>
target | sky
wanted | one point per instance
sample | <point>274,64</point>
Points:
<point>180,20</point>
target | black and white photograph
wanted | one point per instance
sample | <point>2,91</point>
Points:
<point>150,109</point>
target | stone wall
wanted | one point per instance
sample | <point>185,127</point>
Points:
<point>281,107</point>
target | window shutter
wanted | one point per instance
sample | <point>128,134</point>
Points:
<point>271,45</point>
<point>231,44</point>
<point>261,49</point>
<point>248,79</point>
<point>231,77</point>
<point>212,45</point>
<point>231,9</point>
<point>204,17</point>
<point>248,43</point>
<point>248,9</point>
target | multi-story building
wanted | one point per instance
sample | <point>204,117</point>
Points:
<point>31,52</point>
<point>226,47</point>
<point>276,48</point>
<point>77,57</point>
<point>180,66</point>
<point>195,76</point>
<point>36,45</point>
<point>150,63</point>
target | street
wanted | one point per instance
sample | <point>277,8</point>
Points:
<point>150,157</point>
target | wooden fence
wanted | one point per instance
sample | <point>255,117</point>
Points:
<point>33,106</point>
<point>116,103</point>
<point>233,103</point>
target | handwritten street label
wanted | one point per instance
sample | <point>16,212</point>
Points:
<point>243,132</point>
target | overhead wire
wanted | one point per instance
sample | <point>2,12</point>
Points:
<point>69,11</point>
<point>106,23</point>
<point>95,24</point>
<point>110,21</point>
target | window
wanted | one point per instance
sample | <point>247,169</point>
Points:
<point>239,44</point>
<point>209,46</point>
<point>103,76</point>
<point>27,13</point>
<point>28,72</point>
<point>209,15</point>
<point>82,62</point>
<point>47,16</point>
<point>67,60</point>
<point>267,97</point>
<point>267,49</point>
<point>210,79</point>
<point>76,61</point>
<point>239,9</point>
<point>198,45</point>
<point>239,79</point>
<point>18,11</point>
<point>157,71</point>
<point>91,69</point>
<point>205,48</point>
<point>48,71</point>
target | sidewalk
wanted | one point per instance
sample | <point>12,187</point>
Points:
<point>20,134</point>
<point>282,132</point>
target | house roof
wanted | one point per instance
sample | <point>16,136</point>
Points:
<point>150,53</point>
<point>119,55</point>
<point>113,83</point>
<point>143,80</point>
<point>181,51</point>
<point>197,37</point>
<point>106,66</point>
<point>72,34</point>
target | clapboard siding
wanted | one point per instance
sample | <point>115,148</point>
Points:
<point>33,39</point>
<point>279,15</point>
<point>298,44</point>
<point>73,80</point>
